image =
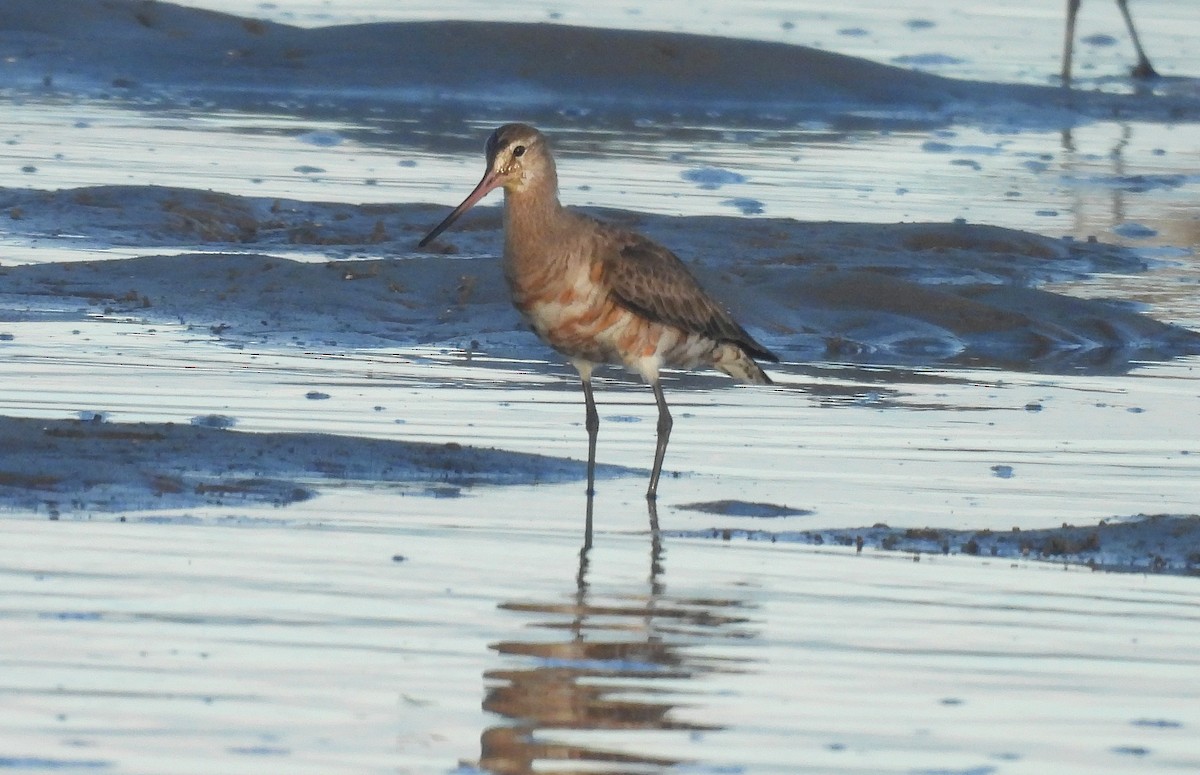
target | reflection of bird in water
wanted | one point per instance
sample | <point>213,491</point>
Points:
<point>599,294</point>
<point>624,662</point>
<point>1143,68</point>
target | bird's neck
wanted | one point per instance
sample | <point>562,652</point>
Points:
<point>533,211</point>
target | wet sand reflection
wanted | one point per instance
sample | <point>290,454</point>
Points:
<point>623,663</point>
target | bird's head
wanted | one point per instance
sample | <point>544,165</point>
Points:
<point>518,159</point>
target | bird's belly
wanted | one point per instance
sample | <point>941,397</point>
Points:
<point>597,331</point>
<point>595,328</point>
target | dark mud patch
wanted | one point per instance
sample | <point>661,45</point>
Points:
<point>736,508</point>
<point>155,51</point>
<point>910,294</point>
<point>1159,543</point>
<point>76,467</point>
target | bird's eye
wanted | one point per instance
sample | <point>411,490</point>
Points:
<point>519,150</point>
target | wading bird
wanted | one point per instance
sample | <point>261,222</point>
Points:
<point>1143,69</point>
<point>600,294</point>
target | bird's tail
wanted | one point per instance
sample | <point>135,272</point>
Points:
<point>734,361</point>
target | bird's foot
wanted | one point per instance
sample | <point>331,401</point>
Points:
<point>1144,71</point>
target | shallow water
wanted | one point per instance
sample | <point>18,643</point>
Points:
<point>1103,179</point>
<point>434,629</point>
<point>734,657</point>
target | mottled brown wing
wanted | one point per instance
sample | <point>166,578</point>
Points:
<point>650,280</point>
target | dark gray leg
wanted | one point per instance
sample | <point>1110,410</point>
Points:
<point>593,428</point>
<point>664,435</point>
<point>581,578</point>
<point>1144,69</point>
<point>1069,41</point>
<point>656,552</point>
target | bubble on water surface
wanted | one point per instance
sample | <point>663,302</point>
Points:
<point>213,421</point>
<point>712,177</point>
<point>736,508</point>
<point>42,763</point>
<point>1134,230</point>
<point>745,205</point>
<point>1157,723</point>
<point>321,139</point>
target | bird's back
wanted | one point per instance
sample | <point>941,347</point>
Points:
<point>606,295</point>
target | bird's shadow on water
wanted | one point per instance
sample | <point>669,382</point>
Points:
<point>600,658</point>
